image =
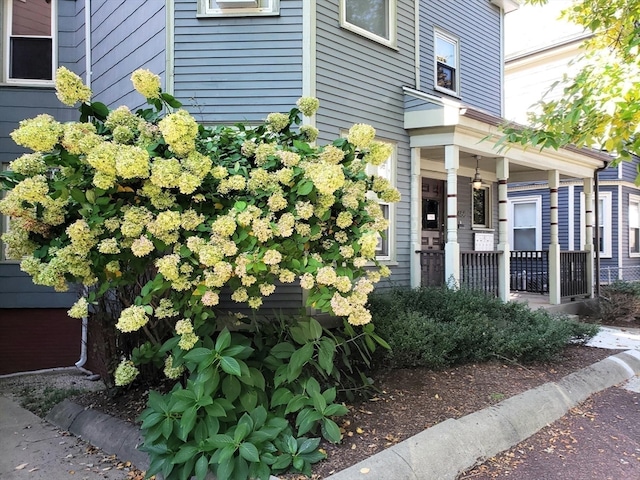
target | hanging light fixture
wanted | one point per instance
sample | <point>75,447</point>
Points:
<point>477,179</point>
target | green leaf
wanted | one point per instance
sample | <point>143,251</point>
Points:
<point>282,462</point>
<point>167,427</point>
<point>326,352</point>
<point>259,416</point>
<point>223,340</point>
<point>335,409</point>
<point>231,388</point>
<point>319,402</point>
<point>220,441</point>
<point>330,430</point>
<point>249,399</point>
<point>186,453</point>
<point>225,469</point>
<point>307,420</point>
<point>202,467</point>
<point>296,403</point>
<point>249,452</point>
<point>282,350</point>
<point>281,397</point>
<point>187,422</point>
<point>315,329</point>
<point>298,360</point>
<point>198,355</point>
<point>308,445</point>
<point>231,366</point>
<point>305,187</point>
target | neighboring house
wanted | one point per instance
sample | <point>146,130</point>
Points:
<point>427,75</point>
<point>541,48</point>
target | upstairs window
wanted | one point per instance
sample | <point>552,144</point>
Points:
<point>29,41</point>
<point>237,8</point>
<point>447,63</point>
<point>634,225</point>
<point>374,19</point>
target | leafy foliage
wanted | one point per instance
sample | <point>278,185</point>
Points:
<point>439,327</point>
<point>600,106</point>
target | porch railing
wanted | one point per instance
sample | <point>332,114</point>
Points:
<point>573,274</point>
<point>432,268</point>
<point>479,271</point>
<point>529,271</point>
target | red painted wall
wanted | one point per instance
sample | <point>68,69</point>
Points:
<point>33,339</point>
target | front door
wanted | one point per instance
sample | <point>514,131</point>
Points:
<point>432,214</point>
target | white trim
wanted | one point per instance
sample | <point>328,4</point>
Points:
<point>416,42</point>
<point>88,62</point>
<point>6,39</point>
<point>632,199</point>
<point>209,8</point>
<point>438,33</point>
<point>488,208</point>
<point>604,215</point>
<point>571,217</point>
<point>309,52</point>
<point>535,199</point>
<point>392,9</point>
<point>169,59</point>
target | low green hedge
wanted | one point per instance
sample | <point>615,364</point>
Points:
<point>440,327</point>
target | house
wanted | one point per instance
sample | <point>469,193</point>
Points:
<point>427,75</point>
<point>536,57</point>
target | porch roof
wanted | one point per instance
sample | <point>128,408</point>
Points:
<point>433,122</point>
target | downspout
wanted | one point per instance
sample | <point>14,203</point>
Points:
<point>87,58</point>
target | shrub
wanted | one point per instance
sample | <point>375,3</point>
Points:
<point>619,301</point>
<point>439,327</point>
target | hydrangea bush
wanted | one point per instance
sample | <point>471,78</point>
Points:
<point>170,211</point>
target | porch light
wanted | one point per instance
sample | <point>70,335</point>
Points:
<point>477,179</point>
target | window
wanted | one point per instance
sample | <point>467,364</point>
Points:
<point>374,19</point>
<point>604,221</point>
<point>386,240</point>
<point>4,223</point>
<point>481,206</point>
<point>634,225</point>
<point>526,223</point>
<point>30,45</point>
<point>237,8</point>
<point>447,63</point>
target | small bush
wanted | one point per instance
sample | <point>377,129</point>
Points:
<point>620,302</point>
<point>439,327</point>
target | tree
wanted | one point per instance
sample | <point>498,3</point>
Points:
<point>600,107</point>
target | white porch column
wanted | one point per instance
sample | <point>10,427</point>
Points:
<point>452,247</point>
<point>554,244</point>
<point>416,215</point>
<point>587,185</point>
<point>502,173</point>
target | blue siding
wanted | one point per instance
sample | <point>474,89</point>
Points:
<point>477,24</point>
<point>360,80</point>
<point>630,170</point>
<point>238,69</point>
<point>125,36</point>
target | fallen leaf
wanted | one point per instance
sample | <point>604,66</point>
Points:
<point>21,466</point>
<point>365,470</point>
<point>359,431</point>
<point>34,469</point>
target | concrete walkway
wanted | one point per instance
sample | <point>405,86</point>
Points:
<point>32,449</point>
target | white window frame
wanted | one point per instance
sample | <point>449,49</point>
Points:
<point>487,206</point>
<point>392,8</point>
<point>4,226</point>
<point>6,47</point>
<point>387,170</point>
<point>455,41</point>
<point>537,200</point>
<point>209,8</point>
<point>633,199</point>
<point>605,218</point>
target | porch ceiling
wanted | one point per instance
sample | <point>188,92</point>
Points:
<point>439,122</point>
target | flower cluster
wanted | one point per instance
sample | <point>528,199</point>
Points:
<point>80,309</point>
<point>146,83</point>
<point>69,87</point>
<point>125,373</point>
<point>132,319</point>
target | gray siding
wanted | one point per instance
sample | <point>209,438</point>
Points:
<point>360,81</point>
<point>125,36</point>
<point>477,24</point>
<point>630,170</point>
<point>18,103</point>
<point>238,69</point>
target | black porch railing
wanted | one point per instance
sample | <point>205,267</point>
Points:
<point>479,271</point>
<point>529,271</point>
<point>432,268</point>
<point>573,274</point>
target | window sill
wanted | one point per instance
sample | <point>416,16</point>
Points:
<point>45,86</point>
<point>451,93</point>
<point>391,44</point>
<point>479,228</point>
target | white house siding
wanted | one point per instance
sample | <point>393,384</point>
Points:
<point>125,35</point>
<point>360,81</point>
<point>477,25</point>
<point>238,69</point>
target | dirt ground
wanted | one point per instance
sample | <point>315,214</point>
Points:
<point>409,401</point>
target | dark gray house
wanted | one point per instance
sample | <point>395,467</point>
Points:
<point>428,75</point>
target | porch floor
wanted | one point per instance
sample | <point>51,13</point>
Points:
<point>579,306</point>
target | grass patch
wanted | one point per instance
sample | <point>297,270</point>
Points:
<point>440,327</point>
<point>41,401</point>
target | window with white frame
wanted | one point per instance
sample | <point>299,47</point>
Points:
<point>238,8</point>
<point>374,19</point>
<point>634,225</point>
<point>29,41</point>
<point>604,224</point>
<point>384,249</point>
<point>4,224</point>
<point>481,207</point>
<point>447,63</point>
<point>525,214</point>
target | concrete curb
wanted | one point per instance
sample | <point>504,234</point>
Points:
<point>440,452</point>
